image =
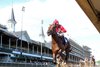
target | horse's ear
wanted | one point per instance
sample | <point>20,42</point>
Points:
<point>50,24</point>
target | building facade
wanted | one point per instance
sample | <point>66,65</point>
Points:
<point>78,52</point>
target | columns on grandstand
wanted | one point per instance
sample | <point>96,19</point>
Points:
<point>37,50</point>
<point>44,51</point>
<point>48,52</point>
<point>1,40</point>
<point>33,48</point>
<point>9,43</point>
<point>69,57</point>
<point>16,43</point>
<point>28,47</point>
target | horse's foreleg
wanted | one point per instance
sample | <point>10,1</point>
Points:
<point>54,56</point>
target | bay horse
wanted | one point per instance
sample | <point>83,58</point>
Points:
<point>57,43</point>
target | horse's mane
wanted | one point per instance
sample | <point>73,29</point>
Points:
<point>55,36</point>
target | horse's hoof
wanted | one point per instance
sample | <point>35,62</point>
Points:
<point>54,62</point>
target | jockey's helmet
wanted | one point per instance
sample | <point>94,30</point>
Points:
<point>56,22</point>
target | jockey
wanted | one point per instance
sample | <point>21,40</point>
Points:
<point>60,31</point>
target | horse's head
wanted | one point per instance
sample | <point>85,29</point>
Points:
<point>50,30</point>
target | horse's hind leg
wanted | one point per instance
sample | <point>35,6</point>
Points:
<point>67,56</point>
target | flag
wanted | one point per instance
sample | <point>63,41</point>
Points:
<point>23,8</point>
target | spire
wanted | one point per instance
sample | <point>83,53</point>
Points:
<point>42,32</point>
<point>12,15</point>
<point>12,21</point>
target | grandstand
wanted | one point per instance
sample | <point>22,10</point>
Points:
<point>11,49</point>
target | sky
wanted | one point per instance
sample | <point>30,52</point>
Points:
<point>67,12</point>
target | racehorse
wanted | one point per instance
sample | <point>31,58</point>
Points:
<point>93,59</point>
<point>57,43</point>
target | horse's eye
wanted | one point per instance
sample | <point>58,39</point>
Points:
<point>48,33</point>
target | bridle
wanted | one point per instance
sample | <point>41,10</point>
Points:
<point>50,30</point>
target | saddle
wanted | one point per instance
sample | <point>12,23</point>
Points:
<point>66,43</point>
<point>64,40</point>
